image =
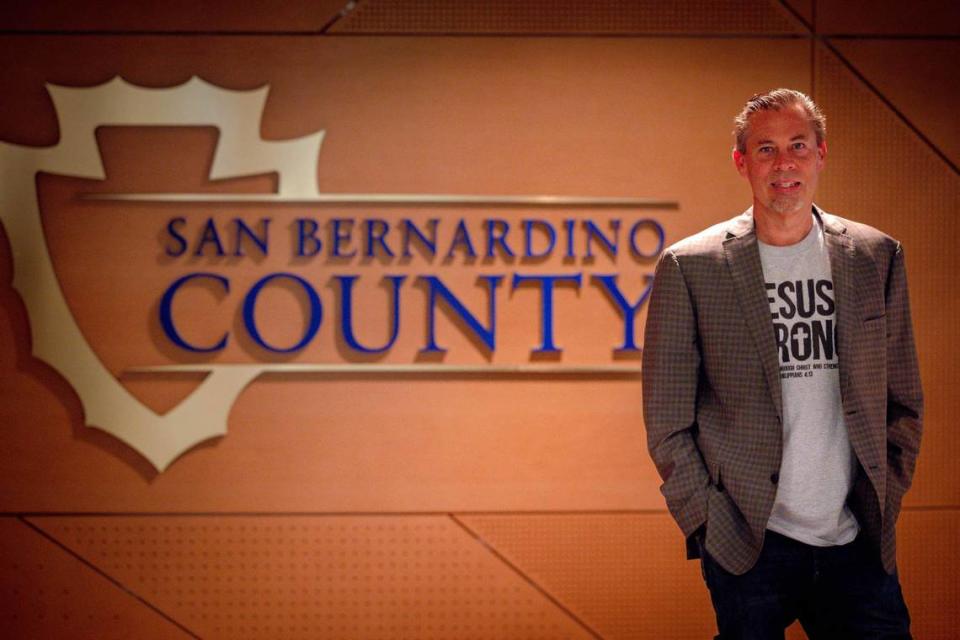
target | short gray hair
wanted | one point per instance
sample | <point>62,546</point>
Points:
<point>775,100</point>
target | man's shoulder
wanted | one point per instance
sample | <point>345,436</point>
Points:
<point>707,243</point>
<point>868,239</point>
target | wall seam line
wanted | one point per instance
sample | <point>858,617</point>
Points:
<point>50,538</point>
<point>889,104</point>
<point>526,578</point>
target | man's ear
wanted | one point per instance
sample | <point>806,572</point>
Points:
<point>821,154</point>
<point>739,161</point>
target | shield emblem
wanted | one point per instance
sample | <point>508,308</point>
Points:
<point>56,335</point>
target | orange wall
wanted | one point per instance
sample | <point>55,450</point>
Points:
<point>432,505</point>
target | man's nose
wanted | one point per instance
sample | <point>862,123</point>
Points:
<point>784,161</point>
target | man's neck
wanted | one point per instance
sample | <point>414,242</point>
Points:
<point>782,229</point>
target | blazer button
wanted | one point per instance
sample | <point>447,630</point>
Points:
<point>775,477</point>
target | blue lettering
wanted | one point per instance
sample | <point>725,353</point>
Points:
<point>657,229</point>
<point>594,232</point>
<point>208,236</point>
<point>462,236</point>
<point>430,243</point>
<point>627,311</point>
<point>485,334</point>
<point>568,226</point>
<point>166,313</point>
<point>376,230</point>
<point>346,318</point>
<point>494,239</point>
<point>172,229</point>
<point>307,237</point>
<point>313,322</point>
<point>546,298</point>
<point>528,226</point>
<point>244,231</point>
<point>342,236</point>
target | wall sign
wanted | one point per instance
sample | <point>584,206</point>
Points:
<point>353,240</point>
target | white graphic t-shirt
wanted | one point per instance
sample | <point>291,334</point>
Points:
<point>816,472</point>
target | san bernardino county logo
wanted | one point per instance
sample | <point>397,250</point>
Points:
<point>240,151</point>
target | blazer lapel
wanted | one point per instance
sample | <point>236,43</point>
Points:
<point>843,265</point>
<point>743,259</point>
<point>842,251</point>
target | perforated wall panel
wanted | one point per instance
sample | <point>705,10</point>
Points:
<point>930,17</point>
<point>903,71</point>
<point>879,172</point>
<point>317,577</point>
<point>626,574</point>
<point>174,15</point>
<point>568,16</point>
<point>929,566</point>
<point>45,592</point>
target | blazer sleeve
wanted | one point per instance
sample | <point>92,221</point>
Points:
<point>671,364</point>
<point>904,392</point>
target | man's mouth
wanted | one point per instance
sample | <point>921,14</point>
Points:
<point>785,185</point>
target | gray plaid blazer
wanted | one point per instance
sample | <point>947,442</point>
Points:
<point>711,385</point>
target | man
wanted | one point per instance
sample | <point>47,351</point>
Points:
<point>782,396</point>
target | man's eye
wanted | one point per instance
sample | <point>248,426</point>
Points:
<point>800,145</point>
<point>766,149</point>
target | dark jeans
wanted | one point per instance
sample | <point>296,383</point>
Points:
<point>836,592</point>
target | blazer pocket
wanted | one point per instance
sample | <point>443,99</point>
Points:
<point>874,324</point>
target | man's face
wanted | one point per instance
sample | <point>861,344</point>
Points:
<point>782,161</point>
